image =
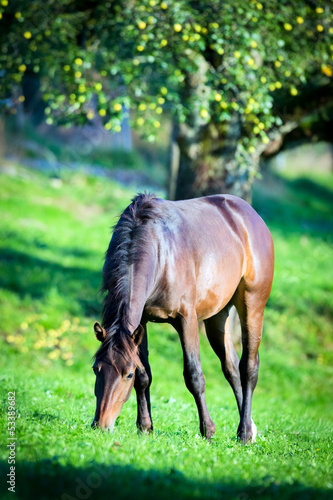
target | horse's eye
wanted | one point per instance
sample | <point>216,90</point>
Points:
<point>96,370</point>
<point>129,376</point>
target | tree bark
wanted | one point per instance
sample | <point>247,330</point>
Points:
<point>203,161</point>
<point>203,154</point>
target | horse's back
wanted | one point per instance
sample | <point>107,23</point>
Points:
<point>209,244</point>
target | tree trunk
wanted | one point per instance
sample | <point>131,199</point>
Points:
<point>203,161</point>
<point>203,155</point>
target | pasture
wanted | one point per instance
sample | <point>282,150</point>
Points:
<point>54,232</point>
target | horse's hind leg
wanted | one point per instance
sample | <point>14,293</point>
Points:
<point>217,329</point>
<point>187,327</point>
<point>250,308</point>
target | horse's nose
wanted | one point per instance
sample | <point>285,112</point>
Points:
<point>103,426</point>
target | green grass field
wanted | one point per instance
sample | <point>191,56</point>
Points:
<point>53,237</point>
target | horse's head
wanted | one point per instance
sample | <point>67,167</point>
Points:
<point>114,367</point>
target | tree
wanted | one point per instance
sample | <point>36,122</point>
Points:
<point>231,74</point>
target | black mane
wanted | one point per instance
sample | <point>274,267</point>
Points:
<point>127,245</point>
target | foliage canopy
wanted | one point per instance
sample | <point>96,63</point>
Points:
<point>192,58</point>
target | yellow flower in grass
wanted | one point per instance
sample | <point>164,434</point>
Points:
<point>327,70</point>
<point>67,355</point>
<point>53,354</point>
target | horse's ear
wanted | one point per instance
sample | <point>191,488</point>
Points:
<point>99,332</point>
<point>138,335</point>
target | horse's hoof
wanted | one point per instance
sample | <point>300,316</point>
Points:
<point>254,431</point>
<point>144,430</point>
<point>208,431</point>
<point>247,435</point>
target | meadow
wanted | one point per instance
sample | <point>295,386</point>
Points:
<point>53,235</point>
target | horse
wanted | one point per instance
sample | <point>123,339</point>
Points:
<point>181,262</point>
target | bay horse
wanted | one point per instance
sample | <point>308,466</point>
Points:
<point>180,262</point>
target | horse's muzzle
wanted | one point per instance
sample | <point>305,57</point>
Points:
<point>97,425</point>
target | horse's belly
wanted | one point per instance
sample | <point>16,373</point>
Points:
<point>206,282</point>
<point>216,284</point>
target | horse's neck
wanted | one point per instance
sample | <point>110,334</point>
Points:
<point>142,282</point>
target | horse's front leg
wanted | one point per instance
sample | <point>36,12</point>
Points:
<point>187,327</point>
<point>142,383</point>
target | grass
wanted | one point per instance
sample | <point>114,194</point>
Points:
<point>53,237</point>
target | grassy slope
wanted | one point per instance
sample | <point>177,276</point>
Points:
<point>51,252</point>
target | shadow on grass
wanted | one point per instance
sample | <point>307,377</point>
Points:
<point>297,206</point>
<point>47,480</point>
<point>37,278</point>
